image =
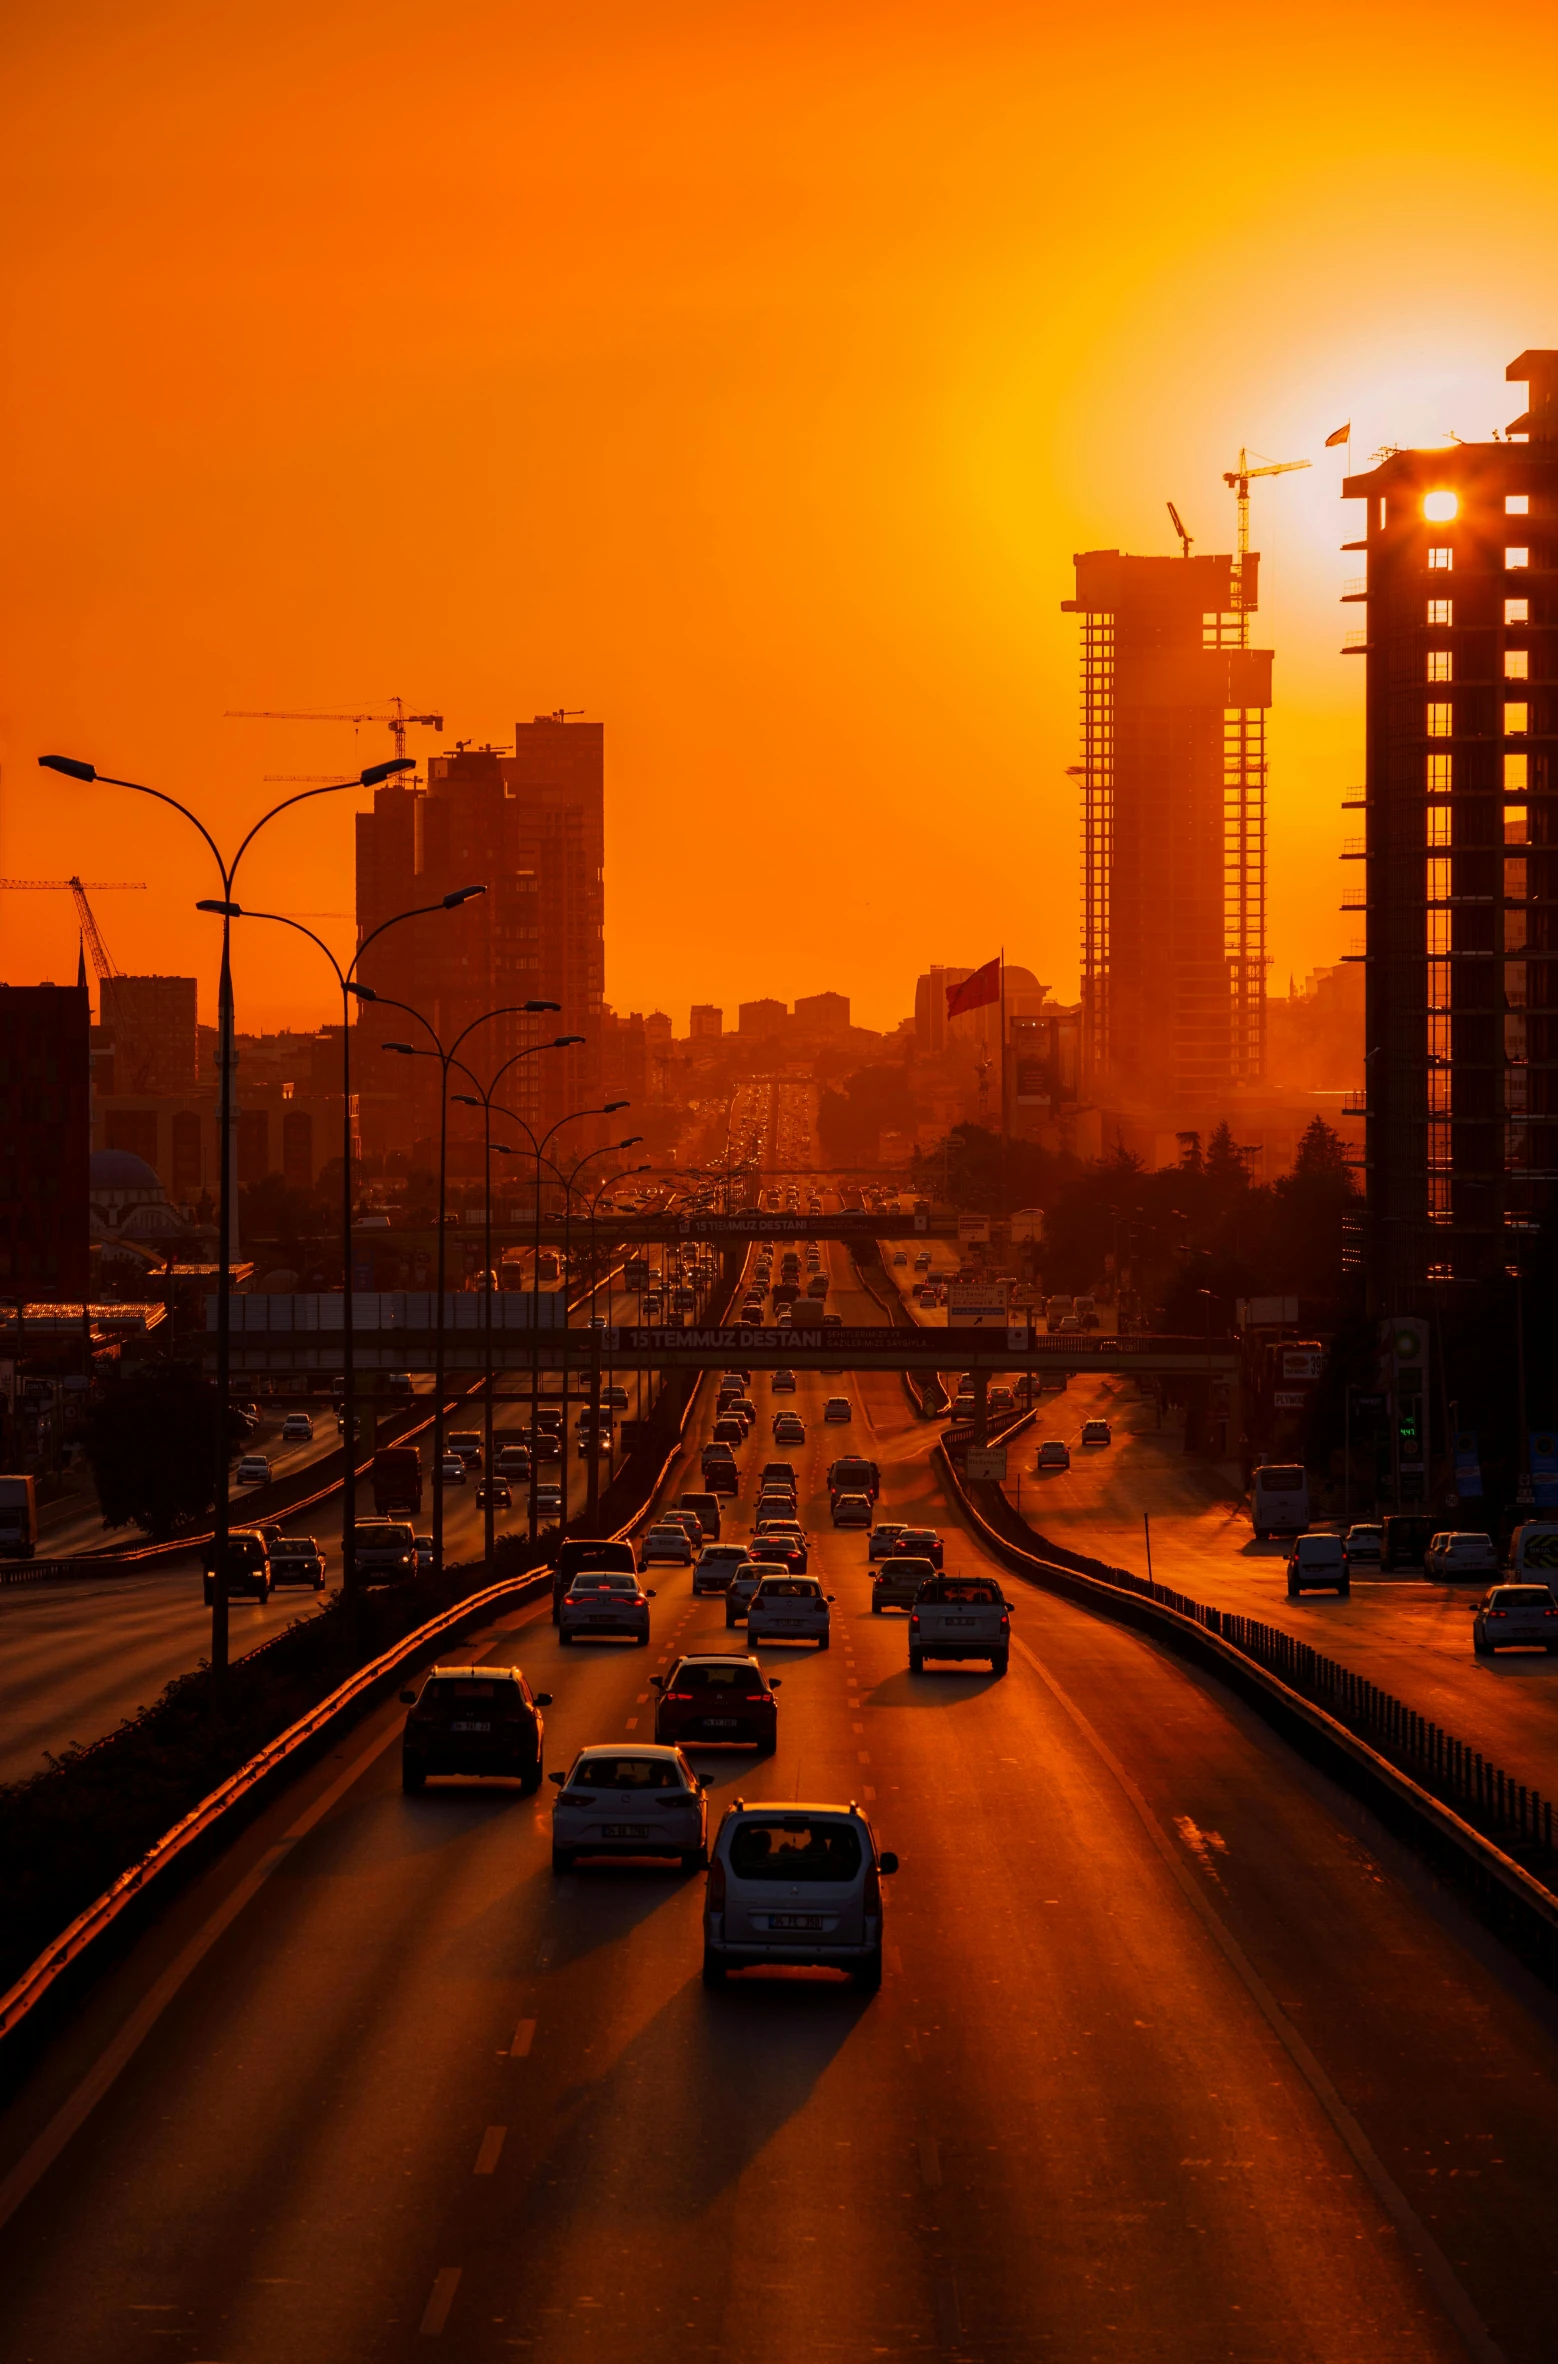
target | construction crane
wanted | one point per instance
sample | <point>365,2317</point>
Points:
<point>76,888</point>
<point>1238,481</point>
<point>1185,539</point>
<point>398,719</point>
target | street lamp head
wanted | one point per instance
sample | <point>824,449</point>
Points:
<point>465,1099</point>
<point>228,910</point>
<point>461,895</point>
<point>69,766</point>
<point>631,1142</point>
<point>612,1106</point>
<point>565,1042</point>
<point>363,992</point>
<point>384,771</point>
<point>405,1049</point>
<point>535,1007</point>
<point>505,1149</point>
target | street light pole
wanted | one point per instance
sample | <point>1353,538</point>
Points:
<point>372,777</point>
<point>345,978</point>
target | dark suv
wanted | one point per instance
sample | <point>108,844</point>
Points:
<point>576,1557</point>
<point>474,1719</point>
<point>717,1701</point>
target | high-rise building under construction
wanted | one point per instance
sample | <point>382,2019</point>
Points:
<point>1173,826</point>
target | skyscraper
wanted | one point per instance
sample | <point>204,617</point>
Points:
<point>1174,784</point>
<point>530,827</point>
<point>45,1140</point>
<point>1460,848</point>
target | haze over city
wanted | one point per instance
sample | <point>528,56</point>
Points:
<point>778,1184</point>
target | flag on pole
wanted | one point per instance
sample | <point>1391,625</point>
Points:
<point>975,992</point>
<point>1342,435</point>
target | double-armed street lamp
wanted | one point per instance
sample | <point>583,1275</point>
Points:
<point>371,777</point>
<point>350,990</point>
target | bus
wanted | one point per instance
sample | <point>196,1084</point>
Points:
<point>1280,1499</point>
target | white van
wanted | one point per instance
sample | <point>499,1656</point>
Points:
<point>1280,1499</point>
<point>1533,1551</point>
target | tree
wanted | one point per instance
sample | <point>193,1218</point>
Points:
<point>1225,1169</point>
<point>1322,1151</point>
<point>149,1441</point>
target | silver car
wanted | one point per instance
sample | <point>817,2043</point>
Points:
<point>745,1577</point>
<point>789,1609</point>
<point>604,1601</point>
<point>795,1883</point>
<point>1515,1617</point>
<point>630,1801</point>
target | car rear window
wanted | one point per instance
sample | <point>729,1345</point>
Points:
<point>603,1580</point>
<point>745,1681</point>
<point>904,1564</point>
<point>463,1692</point>
<point>953,1588</point>
<point>785,1588</point>
<point>797,1848</point>
<point>626,1773</point>
<point>1523,1596</point>
<point>1280,1478</point>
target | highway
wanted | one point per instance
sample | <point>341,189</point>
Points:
<point>1178,2057</point>
<point>77,1656</point>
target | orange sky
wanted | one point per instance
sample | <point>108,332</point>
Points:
<point>745,375</point>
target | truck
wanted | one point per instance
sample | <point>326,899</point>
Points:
<point>397,1479</point>
<point>18,1518</point>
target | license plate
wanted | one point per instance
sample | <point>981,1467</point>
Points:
<point>957,1621</point>
<point>470,1727</point>
<point>624,1830</point>
<point>795,1920</point>
<point>603,1621</point>
<point>719,1723</point>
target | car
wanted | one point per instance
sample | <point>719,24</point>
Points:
<point>297,1559</point>
<point>1452,1555</point>
<point>615,1399</point>
<point>689,1522</point>
<point>1406,1538</point>
<point>512,1461</point>
<point>422,1547</point>
<point>580,1553</point>
<point>495,1490</point>
<point>605,1601</point>
<point>789,1609</point>
<point>297,1429</point>
<point>1097,1432</point>
<point>482,1720</point>
<point>774,1502</point>
<point>779,1549</point>
<point>616,1800</point>
<point>960,1617</point>
<point>399,1383</point>
<point>705,1508</point>
<point>1515,1616</point>
<point>922,1260</point>
<point>837,1411</point>
<point>778,1474</point>
<point>713,1570</point>
<point>851,1510</point>
<point>466,1442</point>
<point>784,1383</point>
<point>789,1429</point>
<point>549,1502</point>
<point>451,1470</point>
<point>666,1540</point>
<point>919,1543</point>
<point>253,1470</point>
<point>742,1583</point>
<point>717,1699</point>
<point>1053,1454</point>
<point>898,1580</point>
<point>882,1537</point>
<point>248,1566</point>
<point>730,1429</point>
<point>900,1256</point>
<point>1317,1563</point>
<point>797,1883</point>
<point>853,1474</point>
<point>1364,1542</point>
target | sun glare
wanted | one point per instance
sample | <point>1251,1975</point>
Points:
<point>1440,507</point>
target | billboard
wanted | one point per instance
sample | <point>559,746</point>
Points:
<point>977,1304</point>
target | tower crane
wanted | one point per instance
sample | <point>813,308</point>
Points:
<point>76,888</point>
<point>1184,538</point>
<point>398,719</point>
<point>1238,481</point>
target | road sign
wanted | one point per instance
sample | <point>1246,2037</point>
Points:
<point>977,1304</point>
<point>975,1228</point>
<point>987,1464</point>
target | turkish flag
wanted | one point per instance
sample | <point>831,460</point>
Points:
<point>975,992</point>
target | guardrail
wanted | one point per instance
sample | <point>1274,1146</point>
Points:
<point>1427,1785</point>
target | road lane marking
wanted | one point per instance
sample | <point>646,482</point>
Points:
<point>930,2163</point>
<point>436,2314</point>
<point>1436,2267</point>
<point>632,1723</point>
<point>524,2037</point>
<point>45,2148</point>
<point>491,2149</point>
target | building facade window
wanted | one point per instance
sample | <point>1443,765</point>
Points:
<point>1440,722</point>
<point>1441,665</point>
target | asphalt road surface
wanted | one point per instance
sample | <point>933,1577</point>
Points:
<point>1177,2058</point>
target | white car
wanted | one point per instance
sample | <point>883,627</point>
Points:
<point>789,1609</point>
<point>629,1801</point>
<point>604,1601</point>
<point>837,1410</point>
<point>549,1502</point>
<point>1451,1555</point>
<point>451,1470</point>
<point>666,1541</point>
<point>884,1535</point>
<point>852,1510</point>
<point>745,1577</point>
<point>789,1429</point>
<point>1318,1563</point>
<point>1053,1454</point>
<point>784,1383</point>
<point>1097,1432</point>
<point>297,1429</point>
<point>254,1470</point>
<point>960,1617</point>
<point>795,1883</point>
<point>1512,1617</point>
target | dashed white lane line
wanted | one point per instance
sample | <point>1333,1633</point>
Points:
<point>491,2149</point>
<point>524,2037</point>
<point>436,2314</point>
<point>632,1723</point>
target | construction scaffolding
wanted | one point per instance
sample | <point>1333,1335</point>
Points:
<point>1097,836</point>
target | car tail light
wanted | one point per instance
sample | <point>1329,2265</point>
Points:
<point>914,1619</point>
<point>1498,1612</point>
<point>685,1697</point>
<point>716,1886</point>
<point>1006,1624</point>
<point>873,1889</point>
